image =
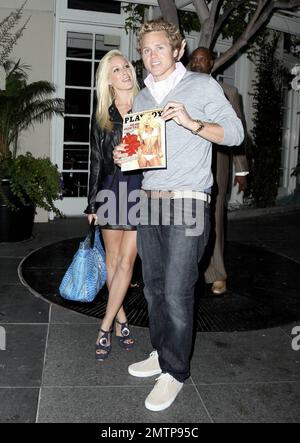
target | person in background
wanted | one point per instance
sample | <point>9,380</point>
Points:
<point>202,61</point>
<point>116,87</point>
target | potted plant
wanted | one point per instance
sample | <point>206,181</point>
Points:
<point>25,182</point>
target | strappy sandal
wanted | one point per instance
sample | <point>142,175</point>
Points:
<point>104,345</point>
<point>125,341</point>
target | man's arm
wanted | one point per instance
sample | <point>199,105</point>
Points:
<point>213,132</point>
<point>232,94</point>
<point>240,164</point>
<point>239,158</point>
<point>219,110</point>
<point>221,124</point>
<point>241,171</point>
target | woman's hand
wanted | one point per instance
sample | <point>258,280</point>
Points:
<point>177,112</point>
<point>92,217</point>
<point>119,154</point>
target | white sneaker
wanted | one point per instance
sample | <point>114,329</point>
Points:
<point>146,368</point>
<point>164,393</point>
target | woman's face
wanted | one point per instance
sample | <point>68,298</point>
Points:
<point>120,74</point>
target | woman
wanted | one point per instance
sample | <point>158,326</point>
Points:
<point>116,87</point>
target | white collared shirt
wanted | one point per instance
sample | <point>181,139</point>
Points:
<point>159,90</point>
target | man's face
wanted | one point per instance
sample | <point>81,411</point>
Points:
<point>201,61</point>
<point>158,56</point>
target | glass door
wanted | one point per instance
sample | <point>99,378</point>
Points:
<point>82,49</point>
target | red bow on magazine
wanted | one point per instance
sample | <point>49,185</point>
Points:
<point>133,143</point>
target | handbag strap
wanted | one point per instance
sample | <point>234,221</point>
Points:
<point>91,234</point>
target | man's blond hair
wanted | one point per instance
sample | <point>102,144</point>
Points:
<point>174,36</point>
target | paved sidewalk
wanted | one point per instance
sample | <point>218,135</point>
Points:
<point>48,372</point>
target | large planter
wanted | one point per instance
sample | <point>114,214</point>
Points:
<point>15,225</point>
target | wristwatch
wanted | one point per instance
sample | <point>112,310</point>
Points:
<point>200,127</point>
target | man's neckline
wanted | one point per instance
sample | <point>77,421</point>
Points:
<point>172,90</point>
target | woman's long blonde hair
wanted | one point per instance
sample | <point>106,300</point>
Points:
<point>105,92</point>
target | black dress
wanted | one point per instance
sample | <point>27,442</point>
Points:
<point>109,187</point>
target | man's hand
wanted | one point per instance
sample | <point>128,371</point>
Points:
<point>241,181</point>
<point>212,132</point>
<point>119,154</point>
<point>177,112</point>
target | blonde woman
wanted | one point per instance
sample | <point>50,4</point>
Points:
<point>116,87</point>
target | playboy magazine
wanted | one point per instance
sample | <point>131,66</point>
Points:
<point>145,136</point>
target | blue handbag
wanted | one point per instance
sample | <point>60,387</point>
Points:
<point>87,273</point>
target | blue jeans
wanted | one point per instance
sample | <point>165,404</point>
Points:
<point>170,261</point>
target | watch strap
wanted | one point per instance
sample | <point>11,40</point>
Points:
<point>200,127</point>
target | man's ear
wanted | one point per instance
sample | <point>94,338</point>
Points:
<point>181,50</point>
<point>175,54</point>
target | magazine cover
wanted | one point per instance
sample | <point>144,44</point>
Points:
<point>145,134</point>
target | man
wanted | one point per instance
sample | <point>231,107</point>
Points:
<point>202,61</point>
<point>197,114</point>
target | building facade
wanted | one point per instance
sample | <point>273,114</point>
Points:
<point>64,42</point>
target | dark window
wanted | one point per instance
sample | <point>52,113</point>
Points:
<point>75,184</point>
<point>77,129</point>
<point>78,101</point>
<point>80,45</point>
<point>78,73</point>
<point>76,157</point>
<point>110,6</point>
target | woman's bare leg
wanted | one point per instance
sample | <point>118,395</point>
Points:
<point>112,241</point>
<point>121,253</point>
<point>121,279</point>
